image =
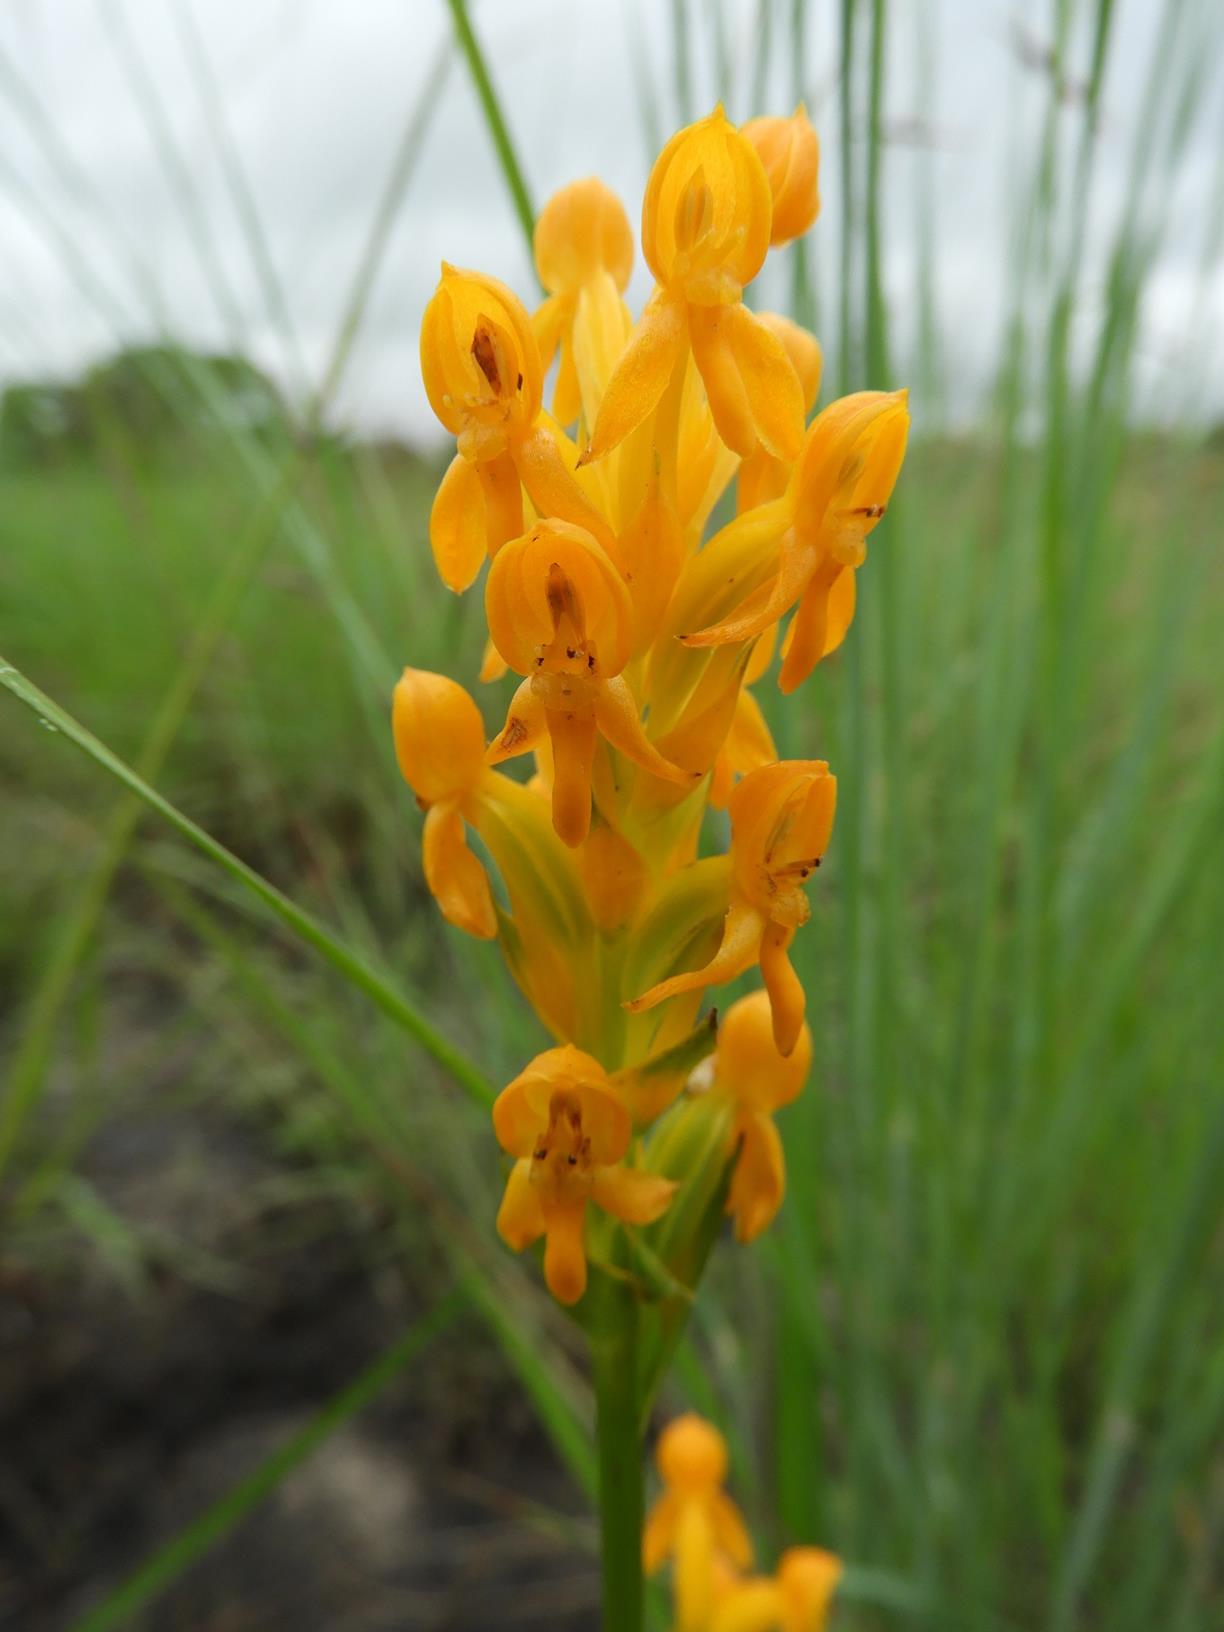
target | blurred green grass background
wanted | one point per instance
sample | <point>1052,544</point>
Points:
<point>982,1356</point>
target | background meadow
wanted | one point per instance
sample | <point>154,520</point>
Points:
<point>263,1362</point>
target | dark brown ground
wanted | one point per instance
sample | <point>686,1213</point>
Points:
<point>124,1412</point>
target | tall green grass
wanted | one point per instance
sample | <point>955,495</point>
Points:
<point>981,1354</point>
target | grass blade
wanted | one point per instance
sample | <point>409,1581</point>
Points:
<point>353,968</point>
<point>496,122</point>
<point>278,498</point>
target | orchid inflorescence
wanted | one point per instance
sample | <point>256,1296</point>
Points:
<point>635,645</point>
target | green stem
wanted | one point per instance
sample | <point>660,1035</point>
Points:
<point>495,119</point>
<point>614,1356</point>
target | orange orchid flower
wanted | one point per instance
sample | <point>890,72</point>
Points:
<point>561,614</point>
<point>568,1131</point>
<point>838,492</point>
<point>706,223</point>
<point>781,822</point>
<point>694,1522</point>
<point>485,379</point>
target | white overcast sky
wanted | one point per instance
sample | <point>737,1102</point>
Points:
<point>316,93</point>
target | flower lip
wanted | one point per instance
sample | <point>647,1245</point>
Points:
<point>583,230</point>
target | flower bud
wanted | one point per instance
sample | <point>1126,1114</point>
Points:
<point>789,149</point>
<point>583,230</point>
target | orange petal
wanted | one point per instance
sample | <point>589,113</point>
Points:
<point>602,326</point>
<point>715,358</point>
<point>722,779</point>
<point>747,1064</point>
<point>439,736</point>
<point>524,1107</point>
<point>525,726</point>
<point>520,1218</point>
<point>583,230</point>
<point>503,500</point>
<point>807,1578</point>
<point>492,665</point>
<point>691,1454</point>
<point>739,949</point>
<point>706,211</point>
<point>775,395</point>
<point>798,565</point>
<point>846,471</point>
<point>565,1268</point>
<point>759,1181</point>
<point>761,478</point>
<point>753,1606</point>
<point>457,525</point>
<point>754,392</point>
<point>790,151</point>
<point>786,995</point>
<point>548,324</point>
<point>631,1195</point>
<point>819,626</point>
<point>567,393</point>
<point>803,349</point>
<point>456,878</point>
<point>659,1532</point>
<point>729,1530</point>
<point>654,349</point>
<point>554,489</point>
<point>617,715</point>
